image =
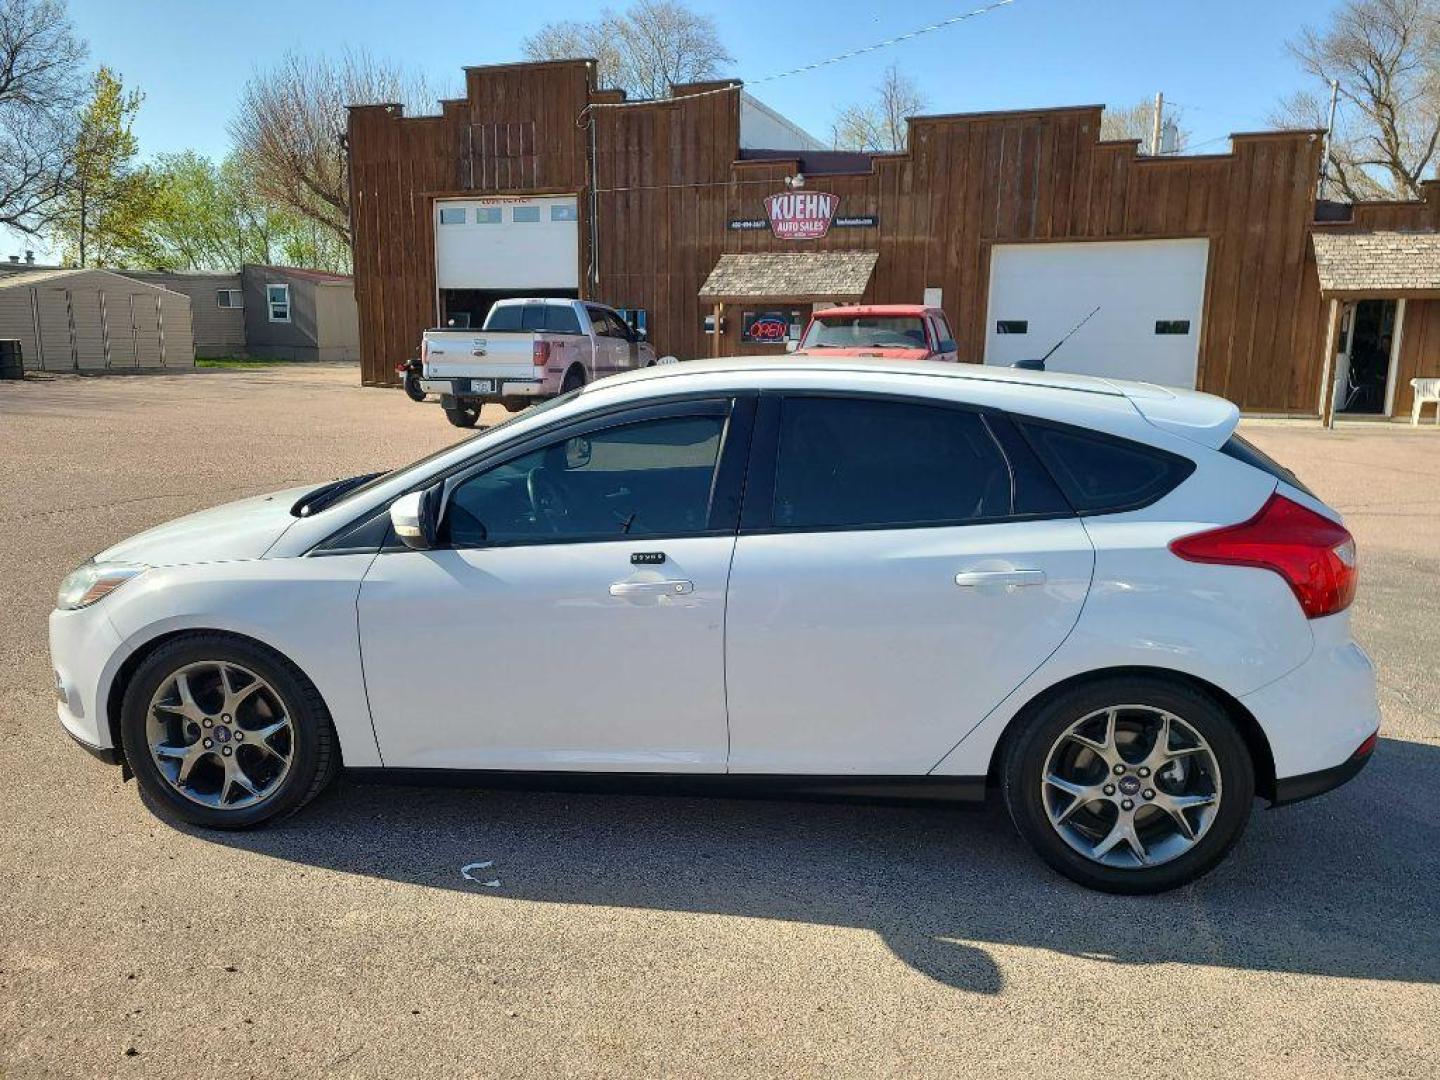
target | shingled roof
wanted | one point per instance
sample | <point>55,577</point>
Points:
<point>791,275</point>
<point>1377,263</point>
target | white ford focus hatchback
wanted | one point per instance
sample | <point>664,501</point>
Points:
<point>786,576</point>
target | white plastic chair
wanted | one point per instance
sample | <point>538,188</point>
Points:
<point>1426,391</point>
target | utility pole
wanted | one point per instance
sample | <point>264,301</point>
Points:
<point>1329,127</point>
<point>1155,130</point>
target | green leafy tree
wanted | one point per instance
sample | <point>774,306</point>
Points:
<point>106,205</point>
<point>210,217</point>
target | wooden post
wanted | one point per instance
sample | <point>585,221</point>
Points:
<point>718,315</point>
<point>1327,391</point>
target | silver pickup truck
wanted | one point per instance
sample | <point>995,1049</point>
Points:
<point>527,350</point>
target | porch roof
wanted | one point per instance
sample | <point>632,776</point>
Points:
<point>1377,264</point>
<point>790,275</point>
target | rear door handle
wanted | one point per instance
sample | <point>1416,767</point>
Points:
<point>652,588</point>
<point>1011,579</point>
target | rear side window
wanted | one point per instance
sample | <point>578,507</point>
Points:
<point>852,462</point>
<point>561,319</point>
<point>1101,474</point>
<point>1243,450</point>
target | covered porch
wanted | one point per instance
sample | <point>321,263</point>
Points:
<point>1382,299</point>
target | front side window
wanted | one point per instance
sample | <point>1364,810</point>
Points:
<point>278,299</point>
<point>850,462</point>
<point>649,478</point>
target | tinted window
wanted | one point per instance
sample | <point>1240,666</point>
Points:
<point>1102,474</point>
<point>1243,450</point>
<point>561,319</point>
<point>1012,326</point>
<point>533,317</point>
<point>853,462</point>
<point>505,319</point>
<point>650,478</point>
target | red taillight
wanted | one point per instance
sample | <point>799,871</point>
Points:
<point>1312,553</point>
<point>542,354</point>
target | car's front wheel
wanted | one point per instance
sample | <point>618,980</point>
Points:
<point>1130,785</point>
<point>224,733</point>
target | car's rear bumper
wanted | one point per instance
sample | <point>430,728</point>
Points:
<point>1315,717</point>
<point>1293,789</point>
<point>489,388</point>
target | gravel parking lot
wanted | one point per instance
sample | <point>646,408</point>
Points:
<point>637,935</point>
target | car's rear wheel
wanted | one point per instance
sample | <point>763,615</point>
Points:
<point>221,732</point>
<point>465,416</point>
<point>1130,785</point>
<point>574,379</point>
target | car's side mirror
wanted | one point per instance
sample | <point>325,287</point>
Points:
<point>948,345</point>
<point>640,333</point>
<point>415,518</point>
<point>791,345</point>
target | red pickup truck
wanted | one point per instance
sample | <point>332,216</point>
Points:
<point>888,331</point>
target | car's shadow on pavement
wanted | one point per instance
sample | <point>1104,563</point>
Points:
<point>1346,885</point>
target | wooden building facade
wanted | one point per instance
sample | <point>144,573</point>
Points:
<point>664,188</point>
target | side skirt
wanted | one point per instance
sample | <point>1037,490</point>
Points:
<point>889,789</point>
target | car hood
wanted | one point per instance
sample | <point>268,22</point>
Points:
<point>881,352</point>
<point>239,530</point>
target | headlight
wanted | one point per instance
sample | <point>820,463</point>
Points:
<point>93,581</point>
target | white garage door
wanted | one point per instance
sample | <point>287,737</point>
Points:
<point>1150,294</point>
<point>507,243</point>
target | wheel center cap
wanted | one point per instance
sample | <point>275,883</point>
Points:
<point>222,734</point>
<point>1129,785</point>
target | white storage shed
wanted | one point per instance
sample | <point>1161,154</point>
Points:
<point>95,320</point>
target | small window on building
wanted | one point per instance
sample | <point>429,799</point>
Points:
<point>1172,326</point>
<point>487,215</point>
<point>523,214</point>
<point>1012,326</point>
<point>564,213</point>
<point>278,298</point>
<point>229,298</point>
<point>452,215</point>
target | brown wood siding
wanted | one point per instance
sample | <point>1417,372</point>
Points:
<point>669,182</point>
<point>1419,352</point>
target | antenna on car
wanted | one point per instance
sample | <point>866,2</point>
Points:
<point>1039,365</point>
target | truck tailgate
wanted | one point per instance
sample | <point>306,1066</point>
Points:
<point>479,355</point>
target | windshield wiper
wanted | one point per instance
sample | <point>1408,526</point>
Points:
<point>315,501</point>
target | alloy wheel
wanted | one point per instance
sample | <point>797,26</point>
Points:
<point>220,735</point>
<point>1131,786</point>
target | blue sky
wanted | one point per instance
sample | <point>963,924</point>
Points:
<point>1223,61</point>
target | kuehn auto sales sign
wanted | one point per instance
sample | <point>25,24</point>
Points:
<point>801,215</point>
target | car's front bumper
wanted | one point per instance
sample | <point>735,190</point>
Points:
<point>85,651</point>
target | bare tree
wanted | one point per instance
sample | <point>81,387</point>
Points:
<point>290,126</point>
<point>41,84</point>
<point>1138,122</point>
<point>644,50</point>
<point>882,123</point>
<point>1385,57</point>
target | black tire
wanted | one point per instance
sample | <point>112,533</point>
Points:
<point>574,379</point>
<point>1029,746</point>
<point>516,404</point>
<point>412,387</point>
<point>466,416</point>
<point>315,751</point>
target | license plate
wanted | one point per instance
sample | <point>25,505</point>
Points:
<point>478,386</point>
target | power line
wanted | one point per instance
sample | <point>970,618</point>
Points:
<point>840,57</point>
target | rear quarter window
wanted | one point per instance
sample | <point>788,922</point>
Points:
<point>1102,474</point>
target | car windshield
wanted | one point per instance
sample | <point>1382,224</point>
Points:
<point>386,477</point>
<point>873,331</point>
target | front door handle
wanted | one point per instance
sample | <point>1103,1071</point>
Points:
<point>1010,579</point>
<point>652,588</point>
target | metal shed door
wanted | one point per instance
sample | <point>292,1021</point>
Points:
<point>1150,293</point>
